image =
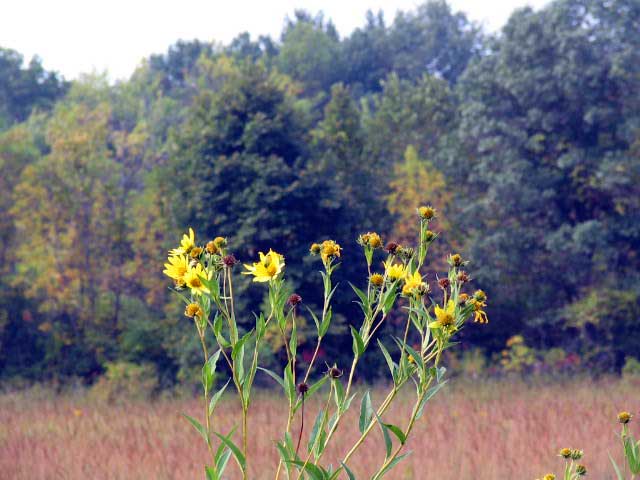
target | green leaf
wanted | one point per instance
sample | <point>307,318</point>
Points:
<point>392,464</point>
<point>209,370</point>
<point>234,449</point>
<point>215,398</point>
<point>338,393</point>
<point>430,393</point>
<point>326,321</point>
<point>290,386</point>
<point>397,432</point>
<point>274,375</point>
<point>390,362</point>
<point>315,319</point>
<point>366,412</point>
<point>388,445</point>
<point>358,343</point>
<point>315,472</point>
<point>349,472</point>
<point>389,299</point>
<point>317,425</point>
<point>211,473</point>
<point>198,426</point>
<point>616,468</point>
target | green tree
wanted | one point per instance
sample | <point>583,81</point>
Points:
<point>549,116</point>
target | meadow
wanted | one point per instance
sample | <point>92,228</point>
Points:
<point>476,429</point>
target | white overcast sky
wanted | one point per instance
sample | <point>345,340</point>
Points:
<point>81,36</point>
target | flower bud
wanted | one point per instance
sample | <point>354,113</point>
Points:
<point>624,417</point>
<point>427,212</point>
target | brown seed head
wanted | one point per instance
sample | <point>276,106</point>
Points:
<point>444,283</point>
<point>392,247</point>
<point>303,388</point>
<point>229,260</point>
<point>294,300</point>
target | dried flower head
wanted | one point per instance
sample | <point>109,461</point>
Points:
<point>377,279</point>
<point>405,253</point>
<point>229,260</point>
<point>334,372</point>
<point>294,299</point>
<point>444,283</point>
<point>463,277</point>
<point>392,247</point>
<point>193,310</point>
<point>624,417</point>
<point>427,212</point>
<point>303,388</point>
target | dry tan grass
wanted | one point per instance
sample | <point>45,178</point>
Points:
<point>505,430</point>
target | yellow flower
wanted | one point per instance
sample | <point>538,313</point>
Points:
<point>427,212</point>
<point>330,249</point>
<point>565,453</point>
<point>394,271</point>
<point>445,317</point>
<point>624,417</point>
<point>176,268</point>
<point>413,284</point>
<point>187,243</point>
<point>377,279</point>
<point>193,310</point>
<point>479,315</point>
<point>268,268</point>
<point>193,280</point>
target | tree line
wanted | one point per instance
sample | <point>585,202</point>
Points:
<point>527,142</point>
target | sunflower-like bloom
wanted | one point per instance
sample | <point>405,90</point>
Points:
<point>413,285</point>
<point>187,243</point>
<point>176,268</point>
<point>395,271</point>
<point>377,279</point>
<point>479,315</point>
<point>445,317</point>
<point>193,279</point>
<point>268,268</point>
<point>330,249</point>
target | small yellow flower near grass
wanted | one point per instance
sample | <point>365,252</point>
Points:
<point>267,269</point>
<point>187,243</point>
<point>624,417</point>
<point>176,268</point>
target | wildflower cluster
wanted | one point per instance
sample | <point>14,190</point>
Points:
<point>203,278</point>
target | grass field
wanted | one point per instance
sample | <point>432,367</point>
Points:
<point>472,430</point>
